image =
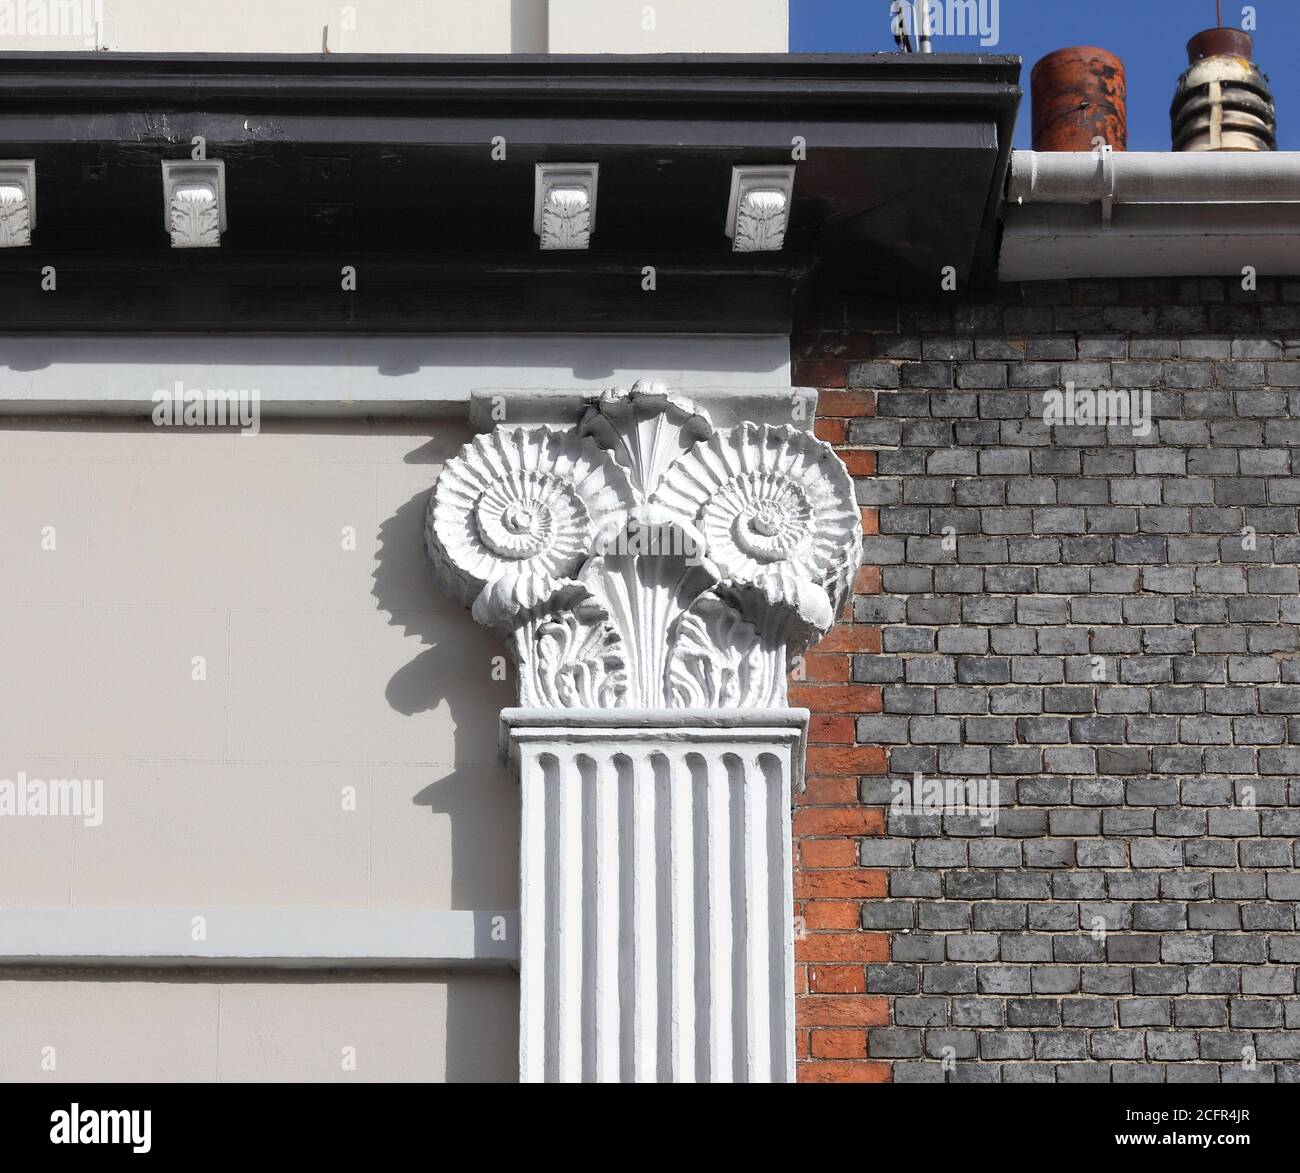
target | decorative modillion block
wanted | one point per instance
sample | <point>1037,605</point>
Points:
<point>17,202</point>
<point>759,211</point>
<point>564,213</point>
<point>194,202</point>
<point>652,575</point>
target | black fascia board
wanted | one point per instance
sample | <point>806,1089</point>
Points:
<point>342,158</point>
<point>665,83</point>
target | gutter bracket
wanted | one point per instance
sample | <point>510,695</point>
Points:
<point>1107,156</point>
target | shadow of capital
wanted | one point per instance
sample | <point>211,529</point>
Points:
<point>465,668</point>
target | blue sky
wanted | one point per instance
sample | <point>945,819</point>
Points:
<point>1149,35</point>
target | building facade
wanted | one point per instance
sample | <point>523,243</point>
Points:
<point>558,541</point>
<point>1110,633</point>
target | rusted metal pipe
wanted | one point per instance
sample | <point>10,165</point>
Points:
<point>1220,43</point>
<point>1080,96</point>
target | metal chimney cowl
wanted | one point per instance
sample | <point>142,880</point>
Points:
<point>1223,101</point>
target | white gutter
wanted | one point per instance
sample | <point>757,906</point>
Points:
<point>1118,214</point>
<point>1149,177</point>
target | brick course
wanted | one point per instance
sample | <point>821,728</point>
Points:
<point>1106,623</point>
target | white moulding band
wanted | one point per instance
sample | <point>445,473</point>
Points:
<point>390,375</point>
<point>726,406</point>
<point>564,206</point>
<point>194,202</point>
<point>758,213</point>
<point>256,938</point>
<point>17,202</point>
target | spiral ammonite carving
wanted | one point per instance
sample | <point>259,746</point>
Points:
<point>769,500</point>
<point>522,502</point>
<point>529,515</point>
<point>767,518</point>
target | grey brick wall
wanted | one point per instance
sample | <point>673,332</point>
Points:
<point>1112,629</point>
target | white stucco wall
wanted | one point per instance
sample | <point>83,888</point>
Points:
<point>454,1027</point>
<point>327,671</point>
<point>330,668</point>
<point>668,26</point>
<point>397,26</point>
<point>403,375</point>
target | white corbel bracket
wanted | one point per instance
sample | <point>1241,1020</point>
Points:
<point>1107,160</point>
<point>564,208</point>
<point>759,210</point>
<point>194,202</point>
<point>17,202</point>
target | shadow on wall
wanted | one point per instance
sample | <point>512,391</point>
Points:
<point>454,673</point>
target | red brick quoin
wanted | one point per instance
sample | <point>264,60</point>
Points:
<point>832,1008</point>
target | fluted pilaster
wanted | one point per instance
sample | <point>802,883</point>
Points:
<point>656,895</point>
<point>652,576</point>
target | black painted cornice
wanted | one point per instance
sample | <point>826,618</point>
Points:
<point>384,163</point>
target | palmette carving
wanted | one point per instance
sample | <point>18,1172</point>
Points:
<point>646,429</point>
<point>643,559</point>
<point>761,221</point>
<point>15,217</point>
<point>195,217</point>
<point>566,219</point>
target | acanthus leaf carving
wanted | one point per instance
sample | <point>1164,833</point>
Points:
<point>761,221</point>
<point>566,219</point>
<point>758,214</point>
<point>195,216</point>
<point>569,655</point>
<point>15,217</point>
<point>717,661</point>
<point>646,576</point>
<point>788,610</point>
<point>17,202</point>
<point>564,211</point>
